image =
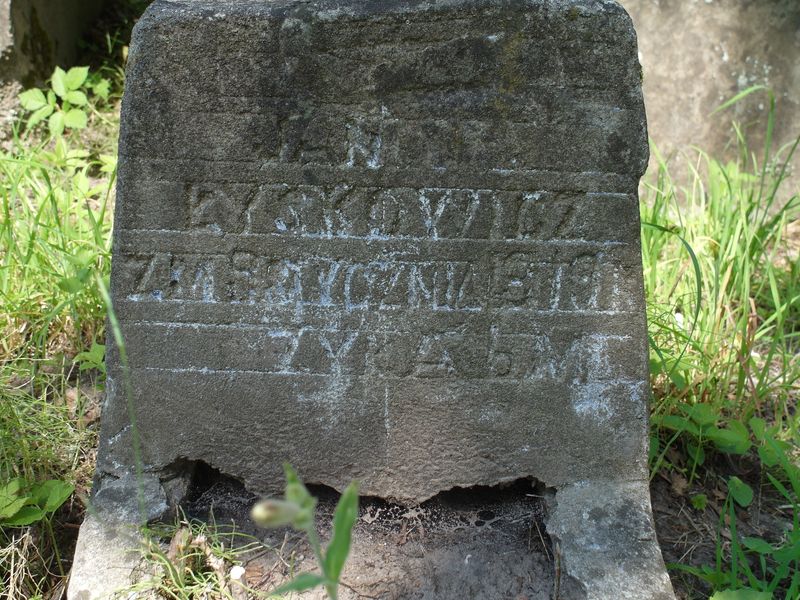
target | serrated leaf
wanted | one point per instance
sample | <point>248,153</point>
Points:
<point>740,492</point>
<point>32,99</point>
<point>59,82</point>
<point>304,581</point>
<point>25,516</point>
<point>40,115</point>
<point>699,501</point>
<point>75,77</point>
<point>343,520</point>
<point>102,88</point>
<point>75,119</point>
<point>56,123</point>
<point>77,98</point>
<point>757,545</point>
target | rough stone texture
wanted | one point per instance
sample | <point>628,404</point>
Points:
<point>107,554</point>
<point>698,54</point>
<point>382,241</point>
<point>390,241</point>
<point>37,35</point>
<point>607,539</point>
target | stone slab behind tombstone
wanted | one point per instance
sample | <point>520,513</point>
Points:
<point>394,242</point>
<point>35,36</point>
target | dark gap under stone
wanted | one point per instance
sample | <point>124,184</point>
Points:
<point>477,542</point>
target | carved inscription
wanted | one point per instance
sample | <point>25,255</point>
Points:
<point>395,242</point>
<point>393,354</point>
<point>519,281</point>
<point>346,211</point>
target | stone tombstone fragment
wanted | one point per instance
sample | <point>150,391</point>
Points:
<point>390,241</point>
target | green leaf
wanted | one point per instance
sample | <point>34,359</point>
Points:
<point>77,98</point>
<point>740,491</point>
<point>12,487</point>
<point>677,423</point>
<point>75,77</point>
<point>40,115</point>
<point>699,501</point>
<point>59,82</point>
<point>731,441</point>
<point>768,456</point>
<point>56,123</point>
<point>297,493</point>
<point>11,508</point>
<point>703,414</point>
<point>102,88</point>
<point>91,359</point>
<point>51,494</point>
<point>71,285</point>
<point>653,448</point>
<point>678,380</point>
<point>741,594</point>
<point>343,520</point>
<point>304,581</point>
<point>75,119</point>
<point>25,516</point>
<point>757,545</point>
<point>696,453</point>
<point>32,99</point>
<point>759,427</point>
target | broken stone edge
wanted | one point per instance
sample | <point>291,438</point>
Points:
<point>603,536</point>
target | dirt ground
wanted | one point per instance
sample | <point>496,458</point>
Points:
<point>477,543</point>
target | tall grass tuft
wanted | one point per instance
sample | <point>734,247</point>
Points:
<point>55,221</point>
<point>722,291</point>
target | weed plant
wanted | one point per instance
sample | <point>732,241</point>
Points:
<point>723,306</point>
<point>192,559</point>
<point>55,196</point>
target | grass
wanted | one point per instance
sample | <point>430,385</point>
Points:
<point>723,291</point>
<point>723,301</point>
<point>191,559</point>
<point>55,198</point>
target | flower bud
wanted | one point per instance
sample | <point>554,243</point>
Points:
<point>275,513</point>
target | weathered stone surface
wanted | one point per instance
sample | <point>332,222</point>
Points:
<point>37,35</point>
<point>106,557</point>
<point>390,241</point>
<point>606,536</point>
<point>382,241</point>
<point>713,51</point>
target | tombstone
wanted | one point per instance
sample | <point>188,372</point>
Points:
<point>389,241</point>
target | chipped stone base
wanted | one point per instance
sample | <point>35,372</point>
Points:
<point>109,542</point>
<point>482,541</point>
<point>606,543</point>
<point>106,557</point>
